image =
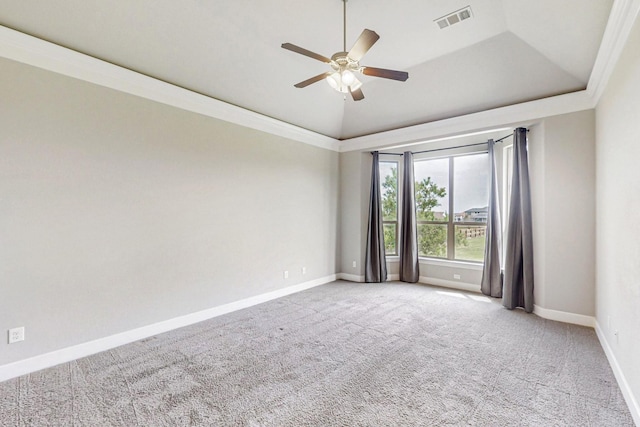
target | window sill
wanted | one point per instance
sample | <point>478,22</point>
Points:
<point>467,265</point>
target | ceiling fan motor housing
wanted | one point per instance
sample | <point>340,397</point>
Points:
<point>342,61</point>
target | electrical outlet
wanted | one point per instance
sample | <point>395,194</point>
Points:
<point>353,264</point>
<point>16,335</point>
<point>286,274</point>
<point>304,270</point>
<point>456,276</point>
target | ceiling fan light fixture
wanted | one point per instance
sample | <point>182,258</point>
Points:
<point>341,81</point>
<point>334,80</point>
<point>347,77</point>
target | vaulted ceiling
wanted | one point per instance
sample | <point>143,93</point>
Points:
<point>510,51</point>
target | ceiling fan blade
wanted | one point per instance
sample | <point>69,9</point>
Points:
<point>385,74</point>
<point>305,52</point>
<point>357,94</point>
<point>363,44</point>
<point>311,80</point>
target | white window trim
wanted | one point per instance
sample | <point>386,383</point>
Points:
<point>466,265</point>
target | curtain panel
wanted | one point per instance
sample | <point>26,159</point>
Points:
<point>491,283</point>
<point>375,267</point>
<point>518,277</point>
<point>409,267</point>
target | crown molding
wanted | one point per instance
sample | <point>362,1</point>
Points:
<point>621,20</point>
<point>30,50</point>
<point>33,51</point>
<point>475,123</point>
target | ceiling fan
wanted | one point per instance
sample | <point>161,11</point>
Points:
<point>345,64</point>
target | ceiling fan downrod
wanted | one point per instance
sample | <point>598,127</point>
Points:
<point>344,25</point>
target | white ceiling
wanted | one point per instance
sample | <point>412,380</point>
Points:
<point>511,51</point>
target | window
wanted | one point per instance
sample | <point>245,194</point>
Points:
<point>452,196</point>
<point>471,204</point>
<point>432,206</point>
<point>389,199</point>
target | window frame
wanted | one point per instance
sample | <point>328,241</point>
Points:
<point>451,223</point>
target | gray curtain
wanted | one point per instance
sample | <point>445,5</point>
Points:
<point>375,266</point>
<point>518,276</point>
<point>492,272</point>
<point>409,268</point>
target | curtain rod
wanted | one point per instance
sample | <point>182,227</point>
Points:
<point>448,148</point>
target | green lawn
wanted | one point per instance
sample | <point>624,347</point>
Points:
<point>474,251</point>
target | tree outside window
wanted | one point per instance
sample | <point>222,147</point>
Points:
<point>389,196</point>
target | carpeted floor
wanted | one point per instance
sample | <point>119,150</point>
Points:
<point>342,354</point>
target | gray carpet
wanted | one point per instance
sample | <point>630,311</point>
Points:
<point>342,354</point>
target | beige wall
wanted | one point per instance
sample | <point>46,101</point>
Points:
<point>355,173</point>
<point>618,205</point>
<point>117,212</point>
<point>562,173</point>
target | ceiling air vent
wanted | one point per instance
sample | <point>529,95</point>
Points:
<point>454,17</point>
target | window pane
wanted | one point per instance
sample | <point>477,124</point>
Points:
<point>390,239</point>
<point>471,185</point>
<point>432,240</point>
<point>389,190</point>
<point>432,190</point>
<point>470,242</point>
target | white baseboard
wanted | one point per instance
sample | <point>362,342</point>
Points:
<point>425,280</point>
<point>350,277</point>
<point>461,286</point>
<point>632,402</point>
<point>47,360</point>
<point>563,316</point>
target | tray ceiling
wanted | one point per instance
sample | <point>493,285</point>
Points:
<point>511,51</point>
